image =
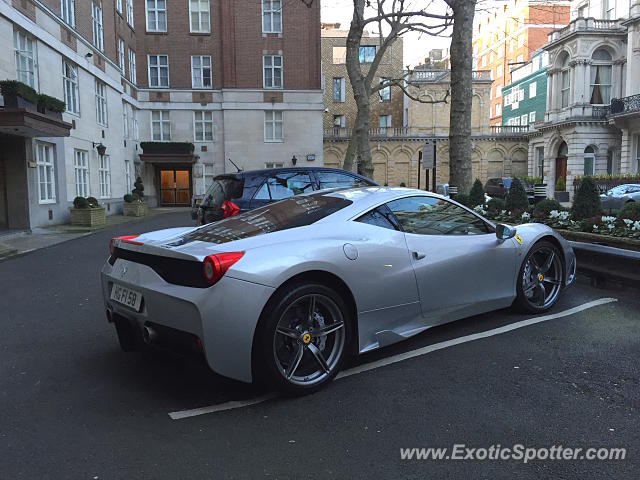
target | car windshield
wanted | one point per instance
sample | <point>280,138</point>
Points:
<point>293,212</point>
<point>623,189</point>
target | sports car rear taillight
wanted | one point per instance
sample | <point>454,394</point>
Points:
<point>124,238</point>
<point>215,266</point>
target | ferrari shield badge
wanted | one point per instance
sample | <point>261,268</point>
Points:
<point>518,239</point>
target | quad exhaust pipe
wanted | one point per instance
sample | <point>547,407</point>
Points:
<point>149,334</point>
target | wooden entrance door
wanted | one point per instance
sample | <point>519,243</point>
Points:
<point>561,169</point>
<point>175,187</point>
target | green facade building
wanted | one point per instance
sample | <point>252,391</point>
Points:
<point>524,100</point>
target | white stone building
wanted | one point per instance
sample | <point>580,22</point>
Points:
<point>592,120</point>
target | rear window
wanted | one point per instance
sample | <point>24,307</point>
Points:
<point>293,212</point>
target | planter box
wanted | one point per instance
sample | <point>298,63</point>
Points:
<point>561,196</point>
<point>88,217</point>
<point>15,101</point>
<point>134,209</point>
<point>607,240</point>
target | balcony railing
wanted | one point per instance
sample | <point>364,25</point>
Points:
<point>620,106</point>
<point>600,111</point>
<point>341,133</point>
<point>585,24</point>
<point>432,76</point>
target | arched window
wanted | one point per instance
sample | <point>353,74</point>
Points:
<point>563,150</point>
<point>601,77</point>
<point>589,161</point>
<point>565,79</point>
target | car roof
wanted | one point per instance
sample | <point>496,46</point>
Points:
<point>271,171</point>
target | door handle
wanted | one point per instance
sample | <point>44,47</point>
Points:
<point>419,255</point>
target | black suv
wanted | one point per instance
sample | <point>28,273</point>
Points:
<point>498,187</point>
<point>256,188</point>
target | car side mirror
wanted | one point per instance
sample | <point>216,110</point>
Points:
<point>504,232</point>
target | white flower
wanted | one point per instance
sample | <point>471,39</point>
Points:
<point>627,221</point>
<point>526,216</point>
<point>608,219</point>
<point>595,228</point>
<point>611,226</point>
<point>554,214</point>
<point>502,212</point>
<point>636,226</point>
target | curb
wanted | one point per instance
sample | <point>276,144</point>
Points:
<point>6,251</point>
<point>602,263</point>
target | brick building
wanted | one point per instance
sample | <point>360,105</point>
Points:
<point>340,106</point>
<point>507,33</point>
<point>200,81</point>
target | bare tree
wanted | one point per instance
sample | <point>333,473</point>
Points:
<point>393,19</point>
<point>461,94</point>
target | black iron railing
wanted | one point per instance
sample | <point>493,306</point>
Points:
<point>600,111</point>
<point>625,105</point>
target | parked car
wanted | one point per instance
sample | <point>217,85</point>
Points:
<point>285,292</point>
<point>256,188</point>
<point>499,187</point>
<point>443,189</point>
<point>618,196</point>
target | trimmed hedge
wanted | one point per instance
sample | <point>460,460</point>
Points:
<point>14,87</point>
<point>586,203</point>
<point>476,195</point>
<point>516,199</point>
<point>167,147</point>
<point>630,210</point>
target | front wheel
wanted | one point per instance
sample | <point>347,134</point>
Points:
<point>540,279</point>
<point>302,340</point>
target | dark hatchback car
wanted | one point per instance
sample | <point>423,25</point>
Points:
<point>499,187</point>
<point>256,188</point>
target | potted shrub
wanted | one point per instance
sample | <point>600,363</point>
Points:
<point>476,195</point>
<point>87,212</point>
<point>134,204</point>
<point>561,195</point>
<point>586,203</point>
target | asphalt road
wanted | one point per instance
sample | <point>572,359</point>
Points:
<point>72,405</point>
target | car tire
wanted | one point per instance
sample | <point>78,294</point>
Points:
<point>289,362</point>
<point>540,279</point>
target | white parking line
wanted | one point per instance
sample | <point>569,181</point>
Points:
<point>399,358</point>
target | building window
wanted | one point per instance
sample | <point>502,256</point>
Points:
<point>384,122</point>
<point>101,103</point>
<point>46,173</point>
<point>70,81</point>
<point>105,176</point>
<point>520,41</point>
<point>582,11</point>
<point>119,6</point>
<point>498,91</point>
<point>130,12</point>
<point>498,109</point>
<point>156,15</point>
<point>600,77</point>
<point>25,58</point>
<point>609,9</point>
<point>127,176</point>
<point>158,71</point>
<point>271,16</point>
<point>67,12</point>
<point>589,161</point>
<point>483,61</point>
<point>532,89</point>
<point>273,165</point>
<point>565,78</point>
<point>272,67</point>
<point>136,130</point>
<point>199,13</point>
<point>160,126</point>
<point>610,161</point>
<point>121,54</point>
<point>208,175</point>
<point>96,22</point>
<point>125,119</point>
<point>367,53</point>
<point>499,71</point>
<point>339,121</point>
<point>524,120</point>
<point>339,55</point>
<point>132,66</point>
<point>384,94</point>
<point>81,169</point>
<point>490,57</point>
<point>532,117</point>
<point>201,71</point>
<point>339,89</point>
<point>203,127</point>
<point>540,162</point>
<point>273,122</point>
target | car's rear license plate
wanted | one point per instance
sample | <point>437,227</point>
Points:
<point>126,296</point>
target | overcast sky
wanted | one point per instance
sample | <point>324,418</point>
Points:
<point>416,47</point>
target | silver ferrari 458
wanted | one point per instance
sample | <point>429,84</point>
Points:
<point>283,293</point>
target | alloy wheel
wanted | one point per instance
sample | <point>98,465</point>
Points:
<point>309,340</point>
<point>542,277</point>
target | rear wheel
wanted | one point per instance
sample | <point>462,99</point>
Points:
<point>302,342</point>
<point>540,279</point>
